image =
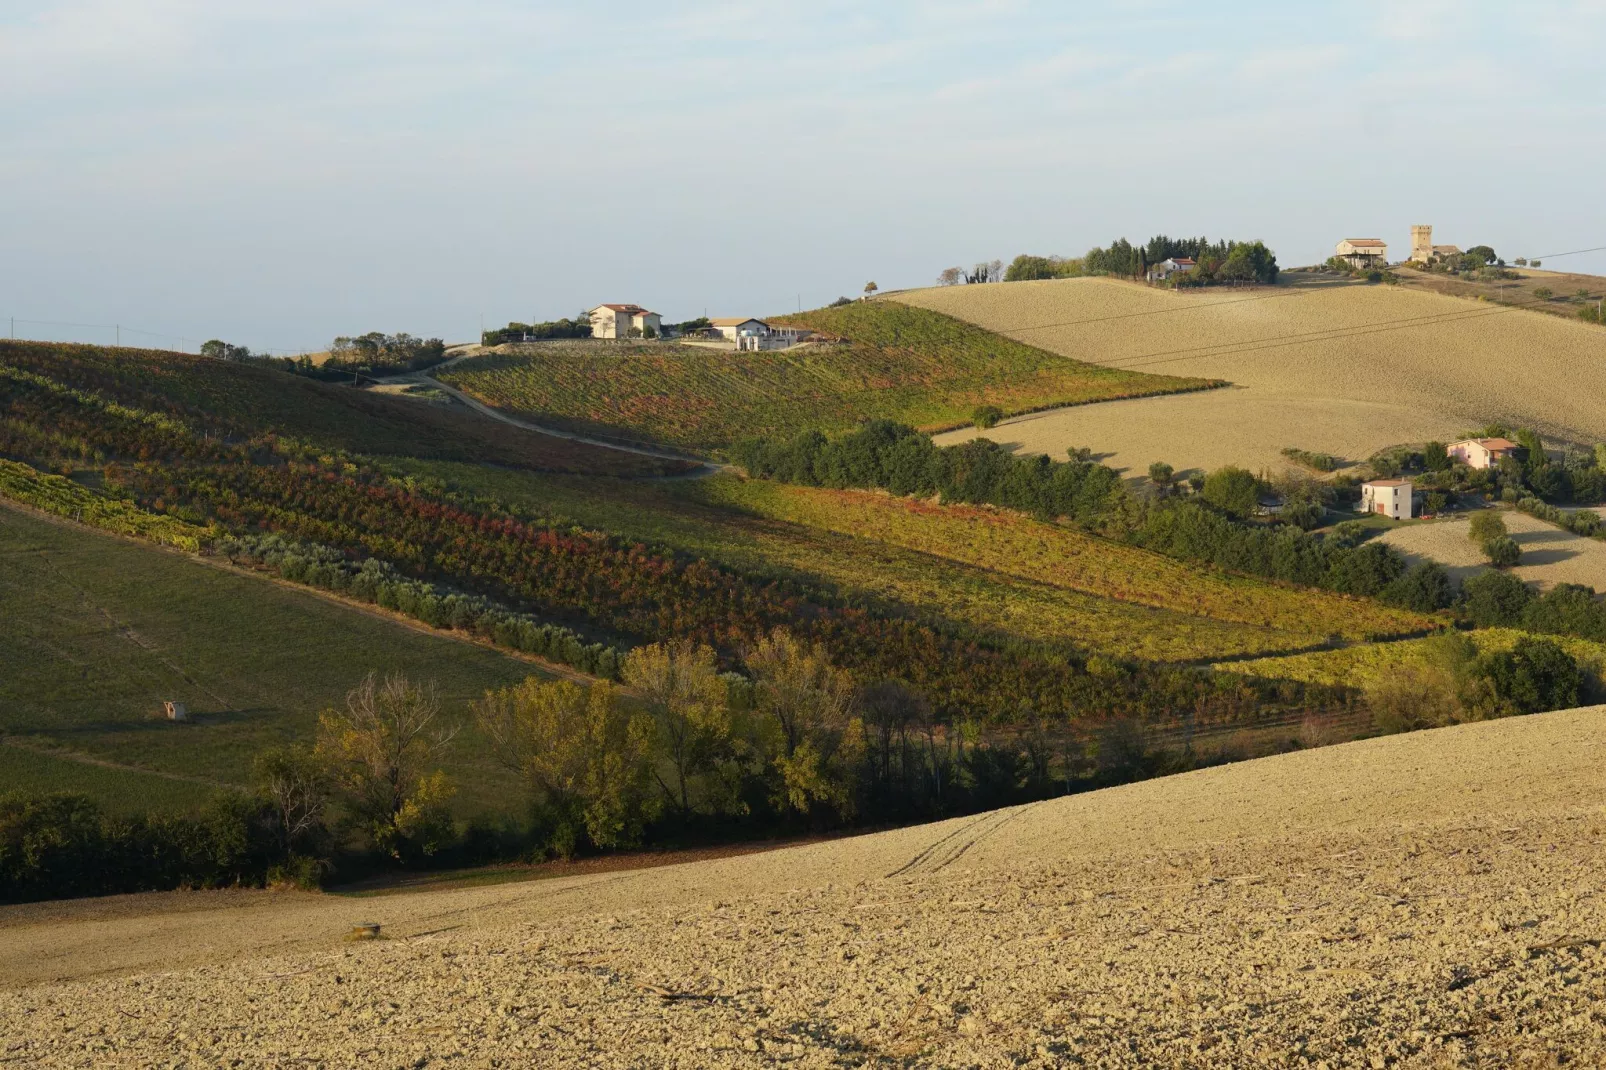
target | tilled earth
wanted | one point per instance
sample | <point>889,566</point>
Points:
<point>1423,900</point>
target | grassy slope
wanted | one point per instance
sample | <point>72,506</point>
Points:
<point>246,399</point>
<point>1001,574</point>
<point>908,364</point>
<point>99,630</point>
<point>1360,665</point>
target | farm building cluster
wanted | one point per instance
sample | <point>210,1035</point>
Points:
<point>747,333</point>
<point>1366,253</point>
<point>1395,498</point>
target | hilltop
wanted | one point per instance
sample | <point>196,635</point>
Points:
<point>1427,899</point>
<point>876,359</point>
<point>1337,367</point>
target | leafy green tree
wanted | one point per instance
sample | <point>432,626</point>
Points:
<point>1162,475</point>
<point>687,700</point>
<point>1025,268</point>
<point>1485,525</point>
<point>1233,490</point>
<point>1544,293</point>
<point>809,707</point>
<point>1482,254</point>
<point>1502,551</point>
<point>1424,587</point>
<point>1534,676</point>
<point>381,750</point>
<point>1496,599</point>
<point>583,756</point>
<point>221,350</point>
<point>986,416</point>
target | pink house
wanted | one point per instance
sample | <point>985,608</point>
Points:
<point>1481,452</point>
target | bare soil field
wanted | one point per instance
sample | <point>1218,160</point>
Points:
<point>1322,364</point>
<point>1550,555</point>
<point>1424,900</point>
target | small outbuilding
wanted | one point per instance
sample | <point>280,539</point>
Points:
<point>176,711</point>
<point>1388,497</point>
<point>1482,452</point>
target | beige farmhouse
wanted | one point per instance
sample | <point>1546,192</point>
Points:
<point>625,321</point>
<point>1481,452</point>
<point>1363,252</point>
<point>1390,497</point>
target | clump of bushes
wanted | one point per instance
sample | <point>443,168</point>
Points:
<point>986,416</point>
<point>1488,530</point>
<point>1455,683</point>
<point>61,845</point>
<point>1321,462</point>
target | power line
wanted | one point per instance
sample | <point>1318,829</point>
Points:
<point>1575,252</point>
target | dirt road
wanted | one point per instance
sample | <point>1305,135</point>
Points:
<point>1424,900</point>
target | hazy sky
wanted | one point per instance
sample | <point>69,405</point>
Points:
<point>275,173</point>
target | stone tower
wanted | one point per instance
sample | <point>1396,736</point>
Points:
<point>1422,242</point>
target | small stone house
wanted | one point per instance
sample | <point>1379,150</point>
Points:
<point>1482,452</point>
<point>176,711</point>
<point>1389,497</point>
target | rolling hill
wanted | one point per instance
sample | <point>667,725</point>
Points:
<point>232,401</point>
<point>1421,900</point>
<point>100,630</point>
<point>894,361</point>
<point>1337,367</point>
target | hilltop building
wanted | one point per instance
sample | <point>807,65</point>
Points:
<point>1170,266</point>
<point>1389,497</point>
<point>1363,252</point>
<point>755,334</point>
<point>625,321</point>
<point>1422,247</point>
<point>1482,452</point>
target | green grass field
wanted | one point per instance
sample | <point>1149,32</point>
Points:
<point>898,362</point>
<point>99,631</point>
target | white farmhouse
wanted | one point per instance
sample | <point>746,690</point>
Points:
<point>753,334</point>
<point>1170,266</point>
<point>625,321</point>
<point>1390,497</point>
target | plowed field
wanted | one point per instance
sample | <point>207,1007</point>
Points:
<point>1338,367</point>
<point>1423,900</point>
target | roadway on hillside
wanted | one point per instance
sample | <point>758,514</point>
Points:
<point>1433,899</point>
<point>706,468</point>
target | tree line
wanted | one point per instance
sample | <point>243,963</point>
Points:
<point>1215,525</point>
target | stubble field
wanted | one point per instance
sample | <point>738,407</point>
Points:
<point>1337,367</point>
<point>1550,555</point>
<point>1425,900</point>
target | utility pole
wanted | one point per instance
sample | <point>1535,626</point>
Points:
<point>119,334</point>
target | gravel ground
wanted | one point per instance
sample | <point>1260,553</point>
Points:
<point>1423,900</point>
<point>1340,368</point>
<point>1550,555</point>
